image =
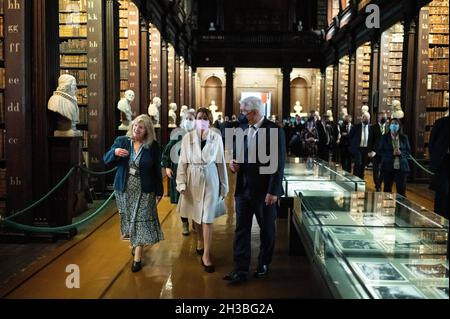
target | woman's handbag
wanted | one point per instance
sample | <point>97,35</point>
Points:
<point>221,208</point>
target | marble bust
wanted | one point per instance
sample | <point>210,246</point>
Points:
<point>183,112</point>
<point>64,103</point>
<point>397,112</point>
<point>213,108</point>
<point>153,110</point>
<point>124,105</point>
<point>297,109</point>
<point>172,115</point>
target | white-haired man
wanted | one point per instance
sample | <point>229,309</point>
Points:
<point>258,188</point>
<point>359,144</point>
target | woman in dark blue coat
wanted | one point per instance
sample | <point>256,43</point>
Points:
<point>394,151</point>
<point>138,185</point>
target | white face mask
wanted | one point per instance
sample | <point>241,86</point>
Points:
<point>188,125</point>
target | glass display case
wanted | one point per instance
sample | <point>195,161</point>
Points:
<point>373,245</point>
<point>315,174</point>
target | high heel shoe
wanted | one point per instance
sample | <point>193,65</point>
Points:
<point>200,251</point>
<point>208,269</point>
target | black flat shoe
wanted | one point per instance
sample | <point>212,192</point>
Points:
<point>200,251</point>
<point>262,271</point>
<point>235,277</point>
<point>208,269</point>
<point>136,266</point>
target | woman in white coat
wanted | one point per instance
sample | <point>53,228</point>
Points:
<point>202,181</point>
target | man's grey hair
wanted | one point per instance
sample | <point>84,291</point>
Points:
<point>254,103</point>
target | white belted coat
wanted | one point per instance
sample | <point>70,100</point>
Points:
<point>203,176</point>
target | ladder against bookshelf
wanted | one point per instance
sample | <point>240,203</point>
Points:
<point>73,52</point>
<point>437,101</point>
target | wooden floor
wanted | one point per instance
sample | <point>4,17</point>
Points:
<point>171,268</point>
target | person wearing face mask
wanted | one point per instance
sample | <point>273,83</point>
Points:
<point>137,185</point>
<point>394,151</point>
<point>359,144</point>
<point>378,130</point>
<point>258,189</point>
<point>202,181</point>
<point>188,125</point>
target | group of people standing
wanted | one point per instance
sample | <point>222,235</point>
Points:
<point>195,164</point>
<point>346,143</point>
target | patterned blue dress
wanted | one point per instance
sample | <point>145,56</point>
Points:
<point>138,214</point>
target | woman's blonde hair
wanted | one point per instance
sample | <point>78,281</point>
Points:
<point>149,130</point>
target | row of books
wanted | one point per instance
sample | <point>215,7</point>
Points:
<point>85,143</point>
<point>72,5</point>
<point>433,117</point>
<point>439,10</point>
<point>438,52</point>
<point>123,85</point>
<point>123,54</point>
<point>80,75</point>
<point>396,47</point>
<point>73,45</point>
<point>73,30</point>
<point>439,28</point>
<point>438,99</point>
<point>438,65</point>
<point>437,82</point>
<point>123,44</point>
<point>79,61</point>
<point>395,84</point>
<point>84,115</point>
<point>2,32</point>
<point>72,18</point>
<point>82,96</point>
<point>439,39</point>
<point>2,78</point>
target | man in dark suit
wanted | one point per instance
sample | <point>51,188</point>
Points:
<point>378,130</point>
<point>439,157</point>
<point>258,188</point>
<point>344,143</point>
<point>359,141</point>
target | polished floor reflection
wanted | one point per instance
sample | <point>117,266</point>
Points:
<point>171,269</point>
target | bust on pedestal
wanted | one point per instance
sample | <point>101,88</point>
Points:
<point>298,109</point>
<point>64,104</point>
<point>124,105</point>
<point>172,115</point>
<point>396,111</point>
<point>153,111</point>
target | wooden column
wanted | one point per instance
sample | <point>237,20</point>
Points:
<point>176,82</point>
<point>144,85</point>
<point>134,54</point>
<point>374,89</point>
<point>286,98</point>
<point>408,82</point>
<point>351,98</point>
<point>171,73</point>
<point>96,85</point>
<point>193,84</point>
<point>322,90</point>
<point>187,79</point>
<point>229,91</point>
<point>182,83</point>
<point>164,116</point>
<point>336,90</point>
<point>44,81</point>
<point>112,79</point>
<point>17,46</point>
<point>420,96</point>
